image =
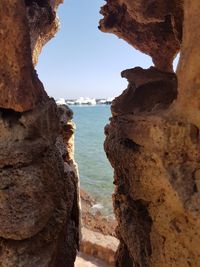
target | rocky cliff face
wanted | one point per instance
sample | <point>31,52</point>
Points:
<point>153,138</point>
<point>39,214</point>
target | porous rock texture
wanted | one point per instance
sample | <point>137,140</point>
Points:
<point>153,140</point>
<point>25,26</point>
<point>20,88</point>
<point>99,245</point>
<point>43,23</point>
<point>38,211</point>
<point>153,27</point>
<point>39,198</point>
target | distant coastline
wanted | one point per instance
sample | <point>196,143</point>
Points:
<point>85,101</point>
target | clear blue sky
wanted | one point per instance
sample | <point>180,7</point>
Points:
<point>82,61</point>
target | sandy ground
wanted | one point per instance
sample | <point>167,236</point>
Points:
<point>83,260</point>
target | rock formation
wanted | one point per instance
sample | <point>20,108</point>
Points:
<point>17,75</point>
<point>28,27</point>
<point>39,209</point>
<point>100,246</point>
<point>153,140</point>
<point>43,23</point>
<point>153,27</point>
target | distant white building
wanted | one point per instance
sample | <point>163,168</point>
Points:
<point>70,102</point>
<point>102,101</point>
<point>85,101</point>
<point>61,101</point>
<point>109,99</point>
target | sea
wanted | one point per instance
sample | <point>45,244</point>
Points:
<point>96,173</point>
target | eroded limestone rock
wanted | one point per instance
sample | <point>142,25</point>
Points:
<point>43,23</point>
<point>153,141</point>
<point>98,245</point>
<point>149,90</point>
<point>156,198</point>
<point>38,211</point>
<point>188,71</point>
<point>39,196</point>
<point>20,87</point>
<point>25,27</point>
<point>153,27</point>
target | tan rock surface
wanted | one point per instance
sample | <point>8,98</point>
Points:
<point>188,72</point>
<point>149,90</point>
<point>43,23</point>
<point>153,27</point>
<point>152,140</point>
<point>20,87</point>
<point>84,260</point>
<point>39,195</point>
<point>156,198</point>
<point>98,245</point>
<point>29,25</point>
<point>39,216</point>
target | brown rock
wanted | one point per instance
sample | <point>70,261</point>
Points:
<point>43,23</point>
<point>39,215</point>
<point>83,260</point>
<point>148,90</point>
<point>154,149</point>
<point>101,246</point>
<point>39,196</point>
<point>66,133</point>
<point>153,27</point>
<point>69,238</point>
<point>20,87</point>
<point>156,197</point>
<point>152,141</point>
<point>188,102</point>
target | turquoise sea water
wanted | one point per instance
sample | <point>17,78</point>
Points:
<point>96,174</point>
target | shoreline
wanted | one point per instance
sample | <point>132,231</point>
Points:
<point>92,217</point>
<point>98,237</point>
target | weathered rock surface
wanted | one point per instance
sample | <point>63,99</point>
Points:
<point>98,245</point>
<point>28,24</point>
<point>156,199</point>
<point>152,140</point>
<point>65,143</point>
<point>148,91</point>
<point>43,23</point>
<point>39,220</point>
<point>153,27</point>
<point>188,72</point>
<point>84,260</point>
<point>39,196</point>
<point>20,87</point>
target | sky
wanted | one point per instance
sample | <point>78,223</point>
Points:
<point>81,60</point>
